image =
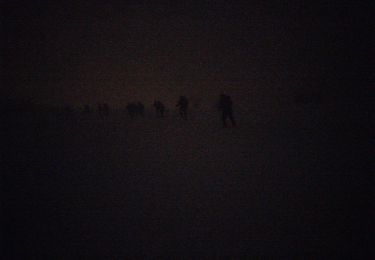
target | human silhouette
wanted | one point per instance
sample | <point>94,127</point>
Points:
<point>183,104</point>
<point>68,112</point>
<point>140,109</point>
<point>86,109</point>
<point>100,109</point>
<point>225,106</point>
<point>159,108</point>
<point>105,109</point>
<point>132,110</point>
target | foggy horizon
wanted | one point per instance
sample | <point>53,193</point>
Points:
<point>77,53</point>
<point>255,147</point>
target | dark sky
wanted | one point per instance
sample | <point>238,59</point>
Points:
<point>116,51</point>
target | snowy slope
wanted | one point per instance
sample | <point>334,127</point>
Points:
<point>114,187</point>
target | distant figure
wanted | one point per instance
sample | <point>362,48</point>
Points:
<point>132,110</point>
<point>225,106</point>
<point>159,108</point>
<point>105,109</point>
<point>140,109</point>
<point>100,109</point>
<point>86,109</point>
<point>183,106</point>
<point>68,111</point>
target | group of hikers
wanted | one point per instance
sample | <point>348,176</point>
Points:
<point>225,106</point>
<point>137,109</point>
<point>182,105</point>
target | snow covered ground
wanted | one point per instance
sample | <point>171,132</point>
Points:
<point>110,188</point>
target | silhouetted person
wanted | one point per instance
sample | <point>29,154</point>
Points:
<point>86,109</point>
<point>100,109</point>
<point>225,106</point>
<point>68,112</point>
<point>183,106</point>
<point>140,109</point>
<point>105,109</point>
<point>132,110</point>
<point>159,108</point>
